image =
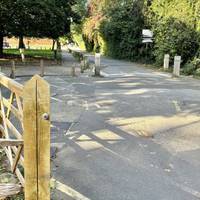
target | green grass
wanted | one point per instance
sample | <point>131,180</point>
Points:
<point>34,53</point>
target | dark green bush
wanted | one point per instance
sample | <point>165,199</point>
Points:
<point>78,56</point>
<point>175,38</point>
<point>189,69</point>
<point>122,30</point>
<point>192,67</point>
<point>89,45</point>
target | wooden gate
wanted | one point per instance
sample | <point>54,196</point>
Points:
<point>25,133</point>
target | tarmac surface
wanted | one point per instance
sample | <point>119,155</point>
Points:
<point>133,134</point>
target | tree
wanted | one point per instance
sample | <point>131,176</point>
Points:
<point>175,25</point>
<point>122,29</point>
<point>35,18</point>
<point>5,16</point>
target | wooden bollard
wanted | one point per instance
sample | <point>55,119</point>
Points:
<point>22,54</point>
<point>73,71</point>
<point>36,120</point>
<point>166,62</point>
<point>82,66</point>
<point>97,64</point>
<point>41,68</point>
<point>177,65</point>
<point>12,74</point>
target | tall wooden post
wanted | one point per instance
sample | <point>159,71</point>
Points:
<point>1,123</point>
<point>12,74</point>
<point>73,71</point>
<point>22,54</point>
<point>36,104</point>
<point>166,62</point>
<point>82,66</point>
<point>97,64</point>
<point>41,68</point>
<point>177,65</point>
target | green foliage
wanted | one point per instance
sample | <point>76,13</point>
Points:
<point>121,30</point>
<point>78,56</point>
<point>175,38</point>
<point>34,53</point>
<point>189,69</point>
<point>114,27</point>
<point>35,18</point>
<point>17,197</point>
<point>192,67</point>
<point>176,29</point>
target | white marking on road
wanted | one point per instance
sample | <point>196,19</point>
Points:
<point>97,105</point>
<point>67,190</point>
<point>69,132</point>
<point>56,99</point>
<point>188,189</point>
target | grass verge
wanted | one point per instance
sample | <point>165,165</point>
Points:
<point>33,53</point>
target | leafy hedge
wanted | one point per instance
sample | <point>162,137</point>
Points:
<point>175,38</point>
<point>176,25</point>
<point>121,30</point>
<point>114,27</point>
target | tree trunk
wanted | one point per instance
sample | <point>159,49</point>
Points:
<point>21,42</point>
<point>55,54</point>
<point>58,45</point>
<point>53,45</point>
<point>1,45</point>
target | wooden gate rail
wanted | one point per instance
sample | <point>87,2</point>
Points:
<point>25,133</point>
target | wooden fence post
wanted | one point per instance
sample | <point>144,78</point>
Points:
<point>36,109</point>
<point>12,74</point>
<point>22,54</point>
<point>177,65</point>
<point>1,123</point>
<point>97,64</point>
<point>41,67</point>
<point>166,61</point>
<point>82,66</point>
<point>73,71</point>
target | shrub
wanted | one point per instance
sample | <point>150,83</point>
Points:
<point>175,38</point>
<point>189,69</point>
<point>122,30</point>
<point>192,67</point>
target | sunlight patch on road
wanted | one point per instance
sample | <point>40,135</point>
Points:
<point>140,91</point>
<point>87,143</point>
<point>151,125</point>
<point>130,84</point>
<point>108,136</point>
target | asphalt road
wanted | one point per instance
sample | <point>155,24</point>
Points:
<point>132,135</point>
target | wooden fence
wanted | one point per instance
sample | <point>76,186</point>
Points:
<point>25,133</point>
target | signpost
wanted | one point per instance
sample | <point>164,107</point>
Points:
<point>147,36</point>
